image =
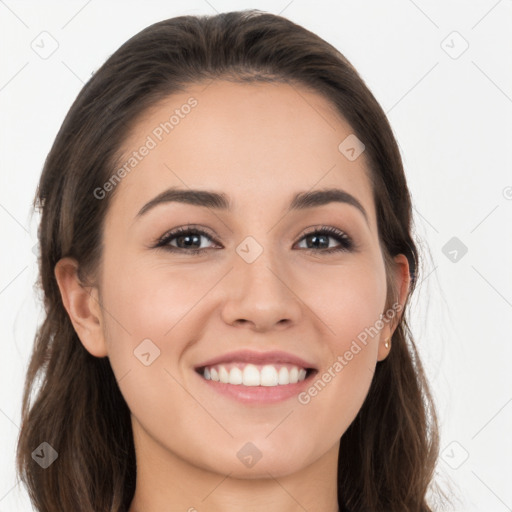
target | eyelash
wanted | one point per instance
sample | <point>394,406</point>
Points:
<point>346,243</point>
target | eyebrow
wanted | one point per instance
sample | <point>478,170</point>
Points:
<point>219,201</point>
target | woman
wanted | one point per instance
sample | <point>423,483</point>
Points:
<point>226,260</point>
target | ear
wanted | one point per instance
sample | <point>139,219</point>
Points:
<point>392,317</point>
<point>83,306</point>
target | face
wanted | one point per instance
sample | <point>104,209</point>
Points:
<point>277,283</point>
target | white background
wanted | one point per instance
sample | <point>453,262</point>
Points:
<point>452,119</point>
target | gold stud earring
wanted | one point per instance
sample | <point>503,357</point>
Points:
<point>386,343</point>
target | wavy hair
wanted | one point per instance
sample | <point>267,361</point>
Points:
<point>71,399</point>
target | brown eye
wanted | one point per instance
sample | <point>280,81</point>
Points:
<point>320,239</point>
<point>184,239</point>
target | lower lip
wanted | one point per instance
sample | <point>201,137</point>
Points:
<point>258,394</point>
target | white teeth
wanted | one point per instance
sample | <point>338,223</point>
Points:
<point>252,375</point>
<point>284,376</point>
<point>235,376</point>
<point>268,376</point>
<point>223,375</point>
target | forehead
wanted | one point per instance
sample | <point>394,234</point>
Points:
<point>254,142</point>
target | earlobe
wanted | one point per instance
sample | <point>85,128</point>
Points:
<point>384,348</point>
<point>82,305</point>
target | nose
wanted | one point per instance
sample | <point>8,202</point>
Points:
<point>260,295</point>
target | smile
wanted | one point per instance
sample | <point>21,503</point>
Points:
<point>243,374</point>
<point>255,377</point>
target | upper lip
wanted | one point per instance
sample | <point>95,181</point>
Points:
<point>250,356</point>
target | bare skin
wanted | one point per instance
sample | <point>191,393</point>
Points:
<point>258,144</point>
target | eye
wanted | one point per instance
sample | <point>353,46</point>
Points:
<point>319,239</point>
<point>184,239</point>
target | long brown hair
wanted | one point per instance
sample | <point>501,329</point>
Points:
<point>72,400</point>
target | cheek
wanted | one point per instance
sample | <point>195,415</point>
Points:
<point>348,299</point>
<point>146,335</point>
<point>151,300</point>
<point>148,315</point>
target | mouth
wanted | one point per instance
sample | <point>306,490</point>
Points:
<point>251,375</point>
<point>257,378</point>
